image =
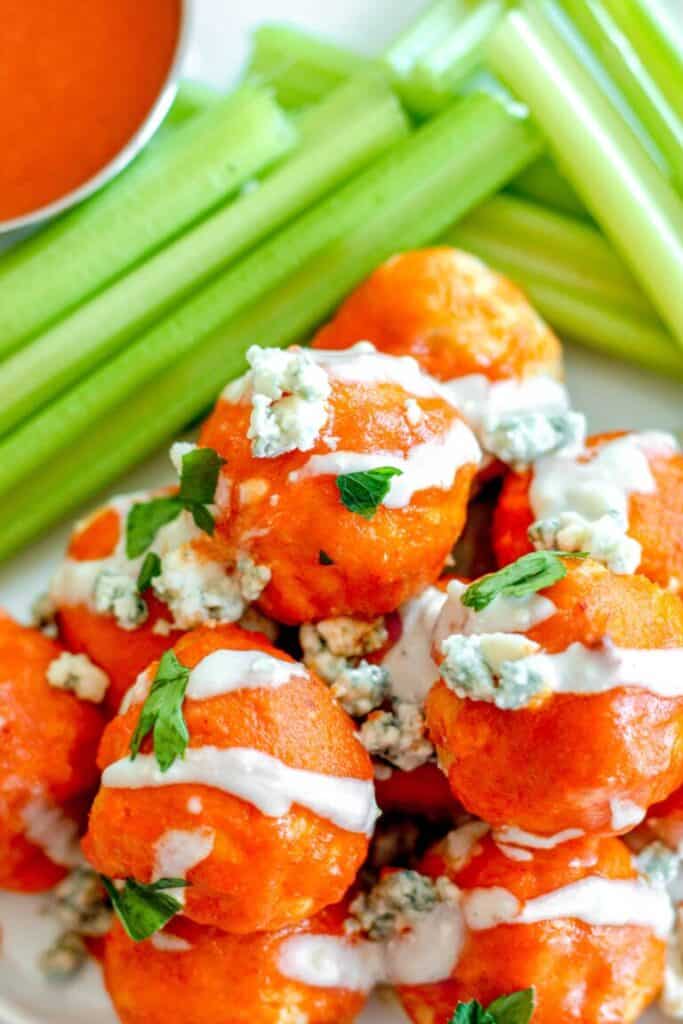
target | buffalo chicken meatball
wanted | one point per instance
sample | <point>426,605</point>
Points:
<point>48,747</point>
<point>574,921</point>
<point>560,707</point>
<point>346,479</point>
<point>232,767</point>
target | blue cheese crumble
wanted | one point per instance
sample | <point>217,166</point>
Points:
<point>334,649</point>
<point>77,674</point>
<point>659,864</point>
<point>398,736</point>
<point>396,903</point>
<point>605,538</point>
<point>116,594</point>
<point>518,439</point>
<point>289,393</point>
<point>491,668</point>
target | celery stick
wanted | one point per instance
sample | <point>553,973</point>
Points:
<point>192,98</point>
<point>349,129</point>
<point>545,242</point>
<point>436,75</point>
<point>300,67</point>
<point>405,199</point>
<point>619,184</point>
<point>172,185</point>
<point>659,41</point>
<point>622,62</point>
<point>543,183</point>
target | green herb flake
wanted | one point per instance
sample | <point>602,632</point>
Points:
<point>324,558</point>
<point>363,492</point>
<point>198,481</point>
<point>151,567</point>
<point>516,1008</point>
<point>162,713</point>
<point>144,909</point>
<point>529,574</point>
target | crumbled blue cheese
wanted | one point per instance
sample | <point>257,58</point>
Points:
<point>116,593</point>
<point>659,864</point>
<point>64,958</point>
<point>289,393</point>
<point>398,736</point>
<point>518,439</point>
<point>396,903</point>
<point>81,908</point>
<point>76,673</point>
<point>490,667</point>
<point>333,648</point>
<point>43,615</point>
<point>605,538</point>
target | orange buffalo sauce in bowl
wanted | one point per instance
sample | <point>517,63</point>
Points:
<point>78,80</point>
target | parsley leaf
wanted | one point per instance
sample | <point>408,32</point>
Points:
<point>516,1008</point>
<point>324,558</point>
<point>144,909</point>
<point>198,481</point>
<point>527,575</point>
<point>363,492</point>
<point>162,713</point>
<point>151,567</point>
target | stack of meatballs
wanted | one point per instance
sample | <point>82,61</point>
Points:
<point>386,690</point>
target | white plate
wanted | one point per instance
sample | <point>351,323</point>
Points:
<point>613,395</point>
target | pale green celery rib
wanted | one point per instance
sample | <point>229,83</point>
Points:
<point>192,98</point>
<point>345,132</point>
<point>637,208</point>
<point>174,183</point>
<point>659,41</point>
<point>406,199</point>
<point>623,63</point>
<point>567,250</point>
<point>542,183</point>
<point>578,313</point>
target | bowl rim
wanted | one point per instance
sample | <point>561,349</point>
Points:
<point>136,142</point>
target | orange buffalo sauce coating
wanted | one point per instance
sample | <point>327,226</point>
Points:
<point>557,764</point>
<point>581,972</point>
<point>423,791</point>
<point>283,524</point>
<point>451,312</point>
<point>48,745</point>
<point>121,653</point>
<point>77,79</point>
<point>262,872</point>
<point>655,519</point>
<point>222,977</point>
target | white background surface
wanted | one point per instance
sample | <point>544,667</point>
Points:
<point>613,395</point>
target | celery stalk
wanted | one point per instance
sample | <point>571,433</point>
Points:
<point>543,183</point>
<point>615,178</point>
<point>298,66</point>
<point>405,199</point>
<point>631,76</point>
<point>192,98</point>
<point>349,129</point>
<point>659,42</point>
<point>173,184</point>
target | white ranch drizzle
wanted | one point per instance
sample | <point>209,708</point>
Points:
<point>430,464</point>
<point>593,900</point>
<point>330,961</point>
<point>52,831</point>
<point>502,615</point>
<point>511,836</point>
<point>179,850</point>
<point>625,814</point>
<point>262,780</point>
<point>482,401</point>
<point>165,942</point>
<point>410,665</point>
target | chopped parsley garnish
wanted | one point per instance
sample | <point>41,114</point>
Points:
<point>162,713</point>
<point>198,482</point>
<point>150,568</point>
<point>363,492</point>
<point>324,558</point>
<point>144,909</point>
<point>529,574</point>
<point>516,1008</point>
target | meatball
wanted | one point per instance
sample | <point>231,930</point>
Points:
<point>468,326</point>
<point>267,810</point>
<point>346,479</point>
<point>48,748</point>
<point>303,973</point>
<point>575,921</point>
<point>618,498</point>
<point>561,708</point>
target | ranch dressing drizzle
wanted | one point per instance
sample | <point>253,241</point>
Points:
<point>330,961</point>
<point>262,780</point>
<point>593,900</point>
<point>483,401</point>
<point>502,615</point>
<point>430,464</point>
<point>510,836</point>
<point>412,671</point>
<point>177,851</point>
